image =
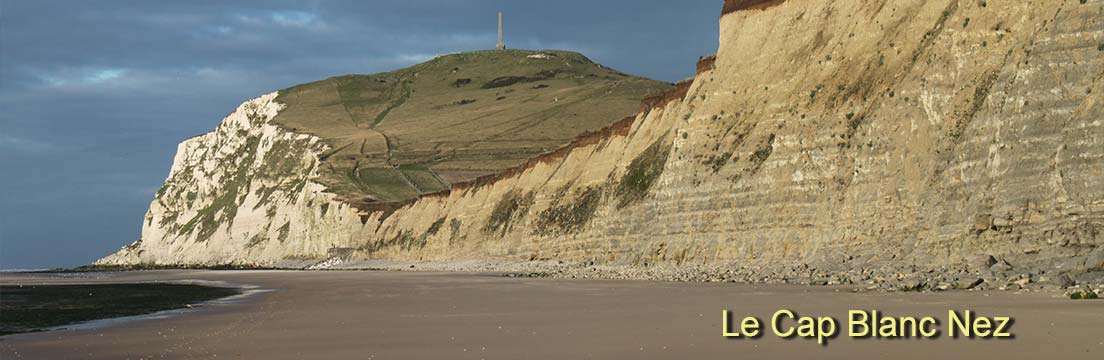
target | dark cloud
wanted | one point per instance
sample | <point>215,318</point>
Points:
<point>95,95</point>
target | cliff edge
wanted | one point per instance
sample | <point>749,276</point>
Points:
<point>824,138</point>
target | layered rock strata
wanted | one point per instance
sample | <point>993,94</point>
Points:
<point>824,135</point>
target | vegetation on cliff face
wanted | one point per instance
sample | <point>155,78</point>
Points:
<point>435,227</point>
<point>224,207</point>
<point>239,171</point>
<point>570,216</point>
<point>513,206</point>
<point>404,240</point>
<point>642,173</point>
<point>396,135</point>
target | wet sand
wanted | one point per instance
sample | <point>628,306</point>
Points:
<point>416,315</point>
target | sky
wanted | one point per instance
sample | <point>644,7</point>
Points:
<point>96,95</point>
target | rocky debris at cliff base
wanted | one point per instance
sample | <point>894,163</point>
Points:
<point>858,278</point>
<point>327,264</point>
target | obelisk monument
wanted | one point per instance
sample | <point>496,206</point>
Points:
<point>501,45</point>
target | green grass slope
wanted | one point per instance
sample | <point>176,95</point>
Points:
<point>418,130</point>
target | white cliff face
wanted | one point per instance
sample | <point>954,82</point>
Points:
<point>912,136</point>
<point>240,194</point>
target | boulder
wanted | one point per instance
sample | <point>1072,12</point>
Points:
<point>911,285</point>
<point>1063,281</point>
<point>1095,260</point>
<point>982,222</point>
<point>1000,266</point>
<point>982,261</point>
<point>967,284</point>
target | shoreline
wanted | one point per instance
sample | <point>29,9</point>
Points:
<point>425,314</point>
<point>57,311</point>
<point>246,292</point>
<point>990,274</point>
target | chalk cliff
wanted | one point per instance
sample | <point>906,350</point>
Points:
<point>919,133</point>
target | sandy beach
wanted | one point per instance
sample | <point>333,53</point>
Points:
<point>427,315</point>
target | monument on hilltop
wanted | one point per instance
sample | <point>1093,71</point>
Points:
<point>501,45</point>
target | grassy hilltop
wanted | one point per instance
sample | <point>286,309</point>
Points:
<point>418,130</point>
